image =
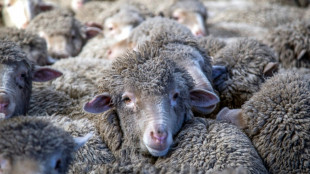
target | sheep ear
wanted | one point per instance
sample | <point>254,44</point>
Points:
<point>270,69</point>
<point>43,74</point>
<point>218,70</point>
<point>301,54</point>
<point>81,141</point>
<point>91,30</point>
<point>99,104</point>
<point>233,116</point>
<point>203,101</point>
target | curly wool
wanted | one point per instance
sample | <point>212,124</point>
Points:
<point>94,152</point>
<point>170,36</point>
<point>27,41</point>
<point>22,38</point>
<point>34,138</point>
<point>211,45</point>
<point>54,22</point>
<point>213,146</point>
<point>278,123</point>
<point>11,53</point>
<point>194,146</point>
<point>91,11</point>
<point>263,15</point>
<point>145,71</point>
<point>292,44</point>
<point>157,25</point>
<point>245,61</point>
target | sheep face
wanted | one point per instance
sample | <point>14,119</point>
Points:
<point>17,74</point>
<point>18,13</point>
<point>15,86</point>
<point>193,20</point>
<point>64,45</point>
<point>153,98</point>
<point>119,26</point>
<point>32,146</point>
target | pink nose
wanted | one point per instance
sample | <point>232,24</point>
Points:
<point>200,33</point>
<point>4,102</point>
<point>159,134</point>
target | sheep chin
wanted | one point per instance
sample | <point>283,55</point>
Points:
<point>157,153</point>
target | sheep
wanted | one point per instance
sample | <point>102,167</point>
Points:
<point>291,43</point>
<point>174,37</point>
<point>136,130</point>
<point>34,46</point>
<point>16,80</point>
<point>30,145</point>
<point>248,62</point>
<point>119,25</point>
<point>276,119</point>
<point>264,15</point>
<point>211,45</point>
<point>65,36</point>
<point>192,14</point>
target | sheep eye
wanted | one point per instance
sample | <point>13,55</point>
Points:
<point>126,100</point>
<point>175,96</point>
<point>110,28</point>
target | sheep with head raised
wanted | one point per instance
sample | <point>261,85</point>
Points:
<point>179,45</point>
<point>291,42</point>
<point>34,46</point>
<point>146,100</point>
<point>31,145</point>
<point>143,76</point>
<point>65,36</point>
<point>192,14</point>
<point>16,80</point>
<point>248,62</point>
<point>277,121</point>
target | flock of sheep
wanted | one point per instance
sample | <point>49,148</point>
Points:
<point>142,86</point>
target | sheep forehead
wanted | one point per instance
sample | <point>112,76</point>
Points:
<point>33,131</point>
<point>145,71</point>
<point>183,53</point>
<point>10,53</point>
<point>22,37</point>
